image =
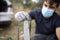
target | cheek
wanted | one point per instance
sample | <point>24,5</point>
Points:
<point>55,9</point>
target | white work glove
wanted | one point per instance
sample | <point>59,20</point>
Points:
<point>20,16</point>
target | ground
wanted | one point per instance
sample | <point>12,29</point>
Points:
<point>12,32</point>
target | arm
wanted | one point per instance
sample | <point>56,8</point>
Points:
<point>57,27</point>
<point>58,32</point>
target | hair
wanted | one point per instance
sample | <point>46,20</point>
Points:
<point>3,5</point>
<point>54,1</point>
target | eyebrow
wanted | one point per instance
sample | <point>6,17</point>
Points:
<point>50,6</point>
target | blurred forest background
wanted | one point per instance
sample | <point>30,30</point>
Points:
<point>28,3</point>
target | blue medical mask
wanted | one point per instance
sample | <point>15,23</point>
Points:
<point>47,12</point>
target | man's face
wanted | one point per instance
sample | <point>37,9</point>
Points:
<point>47,4</point>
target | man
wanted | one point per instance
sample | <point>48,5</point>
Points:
<point>47,20</point>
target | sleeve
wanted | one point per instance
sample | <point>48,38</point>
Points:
<point>57,23</point>
<point>32,14</point>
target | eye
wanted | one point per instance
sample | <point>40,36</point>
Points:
<point>45,5</point>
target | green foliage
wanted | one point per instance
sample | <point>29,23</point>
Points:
<point>29,3</point>
<point>33,5</point>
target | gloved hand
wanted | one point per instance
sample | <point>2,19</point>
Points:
<point>20,16</point>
